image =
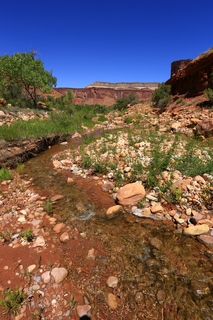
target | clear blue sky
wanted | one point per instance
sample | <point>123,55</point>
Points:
<point>83,41</point>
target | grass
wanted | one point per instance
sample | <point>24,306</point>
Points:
<point>5,174</point>
<point>28,235</point>
<point>11,301</point>
<point>48,206</point>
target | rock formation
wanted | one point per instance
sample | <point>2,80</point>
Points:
<point>191,77</point>
<point>105,93</point>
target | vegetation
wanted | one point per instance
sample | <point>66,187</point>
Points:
<point>209,91</point>
<point>24,76</point>
<point>161,96</point>
<point>28,235</point>
<point>122,103</point>
<point>5,174</point>
<point>48,206</point>
<point>11,301</point>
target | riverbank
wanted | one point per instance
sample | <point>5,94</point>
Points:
<point>63,250</point>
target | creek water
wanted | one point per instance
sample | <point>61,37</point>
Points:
<point>162,274</point>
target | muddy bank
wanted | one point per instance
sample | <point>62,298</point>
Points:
<point>15,152</point>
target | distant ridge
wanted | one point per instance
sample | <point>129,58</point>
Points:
<point>124,85</point>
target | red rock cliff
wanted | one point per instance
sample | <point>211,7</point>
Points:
<point>191,78</point>
<point>106,95</point>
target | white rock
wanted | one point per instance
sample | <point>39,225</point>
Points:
<point>59,274</point>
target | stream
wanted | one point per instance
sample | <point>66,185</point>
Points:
<point>162,275</point>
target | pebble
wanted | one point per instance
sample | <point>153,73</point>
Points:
<point>112,282</point>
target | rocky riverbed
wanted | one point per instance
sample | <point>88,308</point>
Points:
<point>72,242</point>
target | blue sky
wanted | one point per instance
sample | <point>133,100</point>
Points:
<point>83,41</point>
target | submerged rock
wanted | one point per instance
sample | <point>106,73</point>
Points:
<point>196,230</point>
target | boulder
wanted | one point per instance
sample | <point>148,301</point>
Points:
<point>205,127</point>
<point>196,230</point>
<point>130,194</point>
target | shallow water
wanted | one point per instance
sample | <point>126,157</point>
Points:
<point>162,275</point>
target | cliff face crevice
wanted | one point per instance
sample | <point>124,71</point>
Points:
<point>192,77</point>
<point>103,94</point>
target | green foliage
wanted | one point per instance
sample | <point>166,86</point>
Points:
<point>20,168</point>
<point>99,167</point>
<point>6,235</point>
<point>161,96</point>
<point>22,73</point>
<point>123,103</point>
<point>209,94</point>
<point>48,206</point>
<point>5,174</point>
<point>11,301</point>
<point>128,119</point>
<point>28,235</point>
<point>86,161</point>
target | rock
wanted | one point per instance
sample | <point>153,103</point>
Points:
<point>59,274</point>
<point>70,180</point>
<point>31,268</point>
<point>58,227</point>
<point>112,211</point>
<point>196,230</point>
<point>181,184</point>
<point>39,242</point>
<point>76,135</point>
<point>2,114</point>
<point>2,102</point>
<point>46,277</point>
<point>155,242</point>
<point>91,254</point>
<point>200,288</point>
<point>156,208</point>
<point>56,197</point>
<point>64,237</point>
<point>112,282</point>
<point>206,240</point>
<point>161,295</point>
<point>83,310</point>
<point>130,194</point>
<point>112,301</point>
<point>204,127</point>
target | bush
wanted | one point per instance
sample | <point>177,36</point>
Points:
<point>161,96</point>
<point>123,103</point>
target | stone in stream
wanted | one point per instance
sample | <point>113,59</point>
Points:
<point>112,301</point>
<point>206,240</point>
<point>130,194</point>
<point>112,282</point>
<point>200,288</point>
<point>111,212</point>
<point>196,230</point>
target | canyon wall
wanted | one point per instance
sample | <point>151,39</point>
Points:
<point>105,93</point>
<point>192,77</point>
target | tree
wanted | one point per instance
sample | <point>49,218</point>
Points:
<point>24,71</point>
<point>123,103</point>
<point>161,96</point>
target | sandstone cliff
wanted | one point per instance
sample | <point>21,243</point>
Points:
<point>105,93</point>
<point>191,77</point>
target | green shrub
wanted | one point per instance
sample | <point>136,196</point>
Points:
<point>128,120</point>
<point>161,96</point>
<point>11,301</point>
<point>28,235</point>
<point>5,174</point>
<point>123,103</point>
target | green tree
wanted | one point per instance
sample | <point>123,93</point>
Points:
<point>161,96</point>
<point>24,71</point>
<point>123,103</point>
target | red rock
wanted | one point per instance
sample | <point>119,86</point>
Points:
<point>130,194</point>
